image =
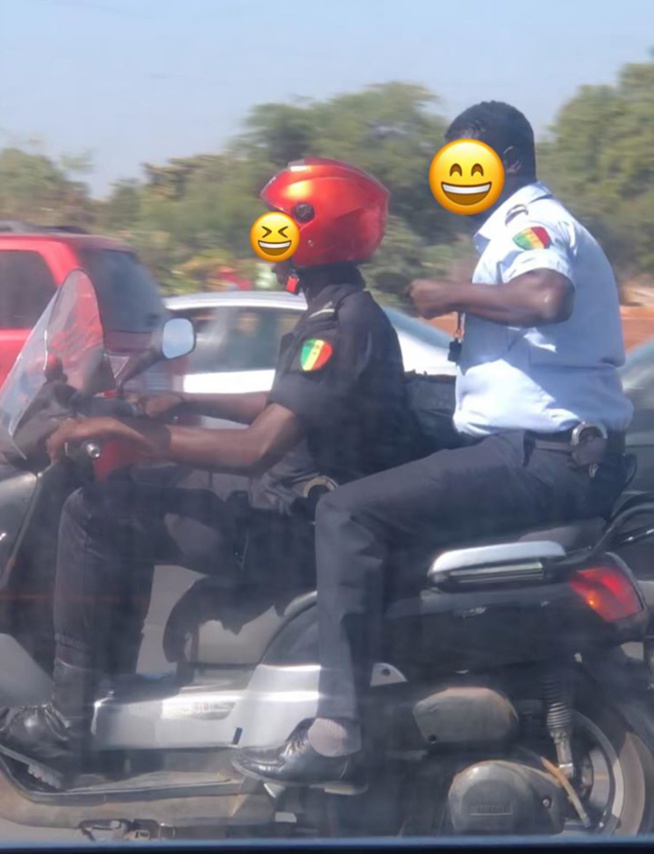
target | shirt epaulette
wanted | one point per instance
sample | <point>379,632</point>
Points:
<point>327,310</point>
<point>514,212</point>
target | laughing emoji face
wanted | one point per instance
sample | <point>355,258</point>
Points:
<point>274,236</point>
<point>466,176</point>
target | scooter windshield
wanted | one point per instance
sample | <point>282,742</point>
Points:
<point>67,343</point>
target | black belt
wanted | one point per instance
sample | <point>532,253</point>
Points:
<point>615,442</point>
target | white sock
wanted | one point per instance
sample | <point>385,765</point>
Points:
<point>334,738</point>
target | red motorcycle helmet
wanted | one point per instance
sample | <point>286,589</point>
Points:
<point>341,211</point>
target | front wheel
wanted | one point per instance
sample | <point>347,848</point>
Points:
<point>614,771</point>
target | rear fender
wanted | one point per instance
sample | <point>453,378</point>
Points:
<point>628,686</point>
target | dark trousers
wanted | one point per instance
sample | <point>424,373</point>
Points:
<point>376,535</point>
<point>112,534</point>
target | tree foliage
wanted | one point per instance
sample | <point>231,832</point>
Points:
<point>600,160</point>
<point>35,188</point>
<point>191,216</point>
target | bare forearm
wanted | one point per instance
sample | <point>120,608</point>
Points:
<point>241,408</point>
<point>502,304</point>
<point>247,451</point>
<point>225,450</point>
<point>242,451</point>
<point>534,298</point>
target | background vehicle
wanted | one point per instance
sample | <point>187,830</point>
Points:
<point>35,260</point>
<point>515,726</point>
<point>638,383</point>
<point>238,336</point>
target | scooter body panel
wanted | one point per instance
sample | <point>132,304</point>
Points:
<point>256,709</point>
<point>16,493</point>
<point>261,709</point>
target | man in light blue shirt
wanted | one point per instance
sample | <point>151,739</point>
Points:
<point>539,433</point>
<point>555,362</point>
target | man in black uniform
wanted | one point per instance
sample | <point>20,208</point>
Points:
<point>338,395</point>
<point>538,434</point>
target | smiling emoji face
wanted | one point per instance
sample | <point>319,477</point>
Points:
<point>274,236</point>
<point>466,176</point>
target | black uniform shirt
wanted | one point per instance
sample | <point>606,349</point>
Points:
<point>340,371</point>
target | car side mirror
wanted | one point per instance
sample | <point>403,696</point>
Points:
<point>177,338</point>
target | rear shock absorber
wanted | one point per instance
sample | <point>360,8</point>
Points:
<point>557,695</point>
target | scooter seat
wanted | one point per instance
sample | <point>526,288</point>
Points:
<point>522,545</point>
<point>214,626</point>
<point>577,535</point>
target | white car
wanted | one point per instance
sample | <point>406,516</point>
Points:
<point>239,333</point>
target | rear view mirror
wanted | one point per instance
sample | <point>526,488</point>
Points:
<point>174,339</point>
<point>177,338</point>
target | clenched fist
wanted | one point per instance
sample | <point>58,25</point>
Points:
<point>431,297</point>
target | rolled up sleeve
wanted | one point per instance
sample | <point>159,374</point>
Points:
<point>537,246</point>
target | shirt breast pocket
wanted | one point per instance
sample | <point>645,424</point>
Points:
<point>485,342</point>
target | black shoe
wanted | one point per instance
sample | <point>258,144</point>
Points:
<point>51,739</point>
<point>296,763</point>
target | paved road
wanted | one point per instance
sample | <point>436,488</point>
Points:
<point>170,583</point>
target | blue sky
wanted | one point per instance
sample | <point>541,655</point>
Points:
<point>144,80</point>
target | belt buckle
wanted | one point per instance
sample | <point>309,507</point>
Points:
<point>578,433</point>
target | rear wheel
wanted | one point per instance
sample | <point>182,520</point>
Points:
<point>614,772</point>
<point>614,781</point>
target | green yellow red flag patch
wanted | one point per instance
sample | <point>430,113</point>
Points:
<point>315,353</point>
<point>535,237</point>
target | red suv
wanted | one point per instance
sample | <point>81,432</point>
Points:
<point>35,260</point>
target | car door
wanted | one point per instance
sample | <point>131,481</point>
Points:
<point>638,382</point>
<point>26,286</point>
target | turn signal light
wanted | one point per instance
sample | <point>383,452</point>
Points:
<point>607,591</point>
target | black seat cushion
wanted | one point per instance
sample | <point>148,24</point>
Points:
<point>577,535</point>
<point>213,626</point>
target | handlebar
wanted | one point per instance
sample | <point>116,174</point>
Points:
<point>87,450</point>
<point>96,407</point>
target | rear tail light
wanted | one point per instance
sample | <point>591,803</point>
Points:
<point>608,591</point>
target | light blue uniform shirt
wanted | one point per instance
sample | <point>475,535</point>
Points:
<point>547,378</point>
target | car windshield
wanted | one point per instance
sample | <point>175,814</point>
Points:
<point>374,558</point>
<point>127,293</point>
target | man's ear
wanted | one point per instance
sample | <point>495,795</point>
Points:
<point>511,161</point>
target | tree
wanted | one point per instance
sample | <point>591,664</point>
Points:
<point>121,211</point>
<point>191,213</point>
<point>397,261</point>
<point>388,130</point>
<point>600,161</point>
<point>35,188</point>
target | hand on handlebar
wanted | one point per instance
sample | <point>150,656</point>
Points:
<point>75,431</point>
<point>158,406</point>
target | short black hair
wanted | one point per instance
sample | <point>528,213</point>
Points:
<point>501,126</point>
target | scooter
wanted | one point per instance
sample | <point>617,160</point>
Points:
<point>504,703</point>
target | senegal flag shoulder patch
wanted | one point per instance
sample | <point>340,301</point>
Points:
<point>535,237</point>
<point>315,354</point>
